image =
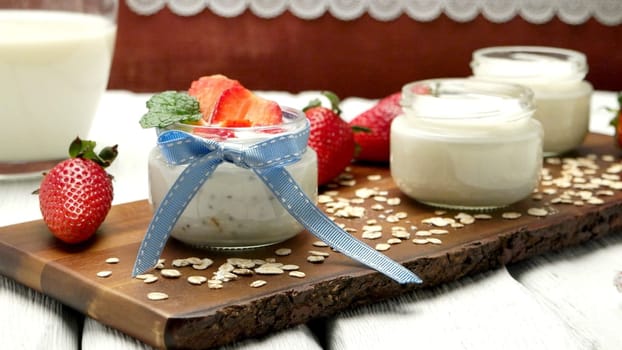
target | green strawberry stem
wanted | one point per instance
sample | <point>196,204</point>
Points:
<point>332,98</point>
<point>85,149</point>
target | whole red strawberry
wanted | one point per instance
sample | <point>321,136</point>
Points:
<point>374,126</point>
<point>76,195</point>
<point>617,120</point>
<point>331,138</point>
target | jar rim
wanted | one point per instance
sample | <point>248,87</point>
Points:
<point>529,62</point>
<point>467,100</point>
<point>293,120</point>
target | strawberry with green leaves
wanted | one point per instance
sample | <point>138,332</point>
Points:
<point>76,195</point>
<point>372,129</point>
<point>330,137</point>
<point>617,120</point>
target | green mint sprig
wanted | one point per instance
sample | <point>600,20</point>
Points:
<point>170,107</point>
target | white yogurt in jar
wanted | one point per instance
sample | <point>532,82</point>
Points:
<point>466,144</point>
<point>555,76</point>
<point>234,208</point>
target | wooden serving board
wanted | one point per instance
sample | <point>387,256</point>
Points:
<point>199,317</point>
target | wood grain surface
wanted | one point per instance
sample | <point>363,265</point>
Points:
<point>199,317</point>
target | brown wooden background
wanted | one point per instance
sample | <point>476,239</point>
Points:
<point>363,57</point>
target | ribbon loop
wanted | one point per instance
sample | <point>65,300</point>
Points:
<point>267,159</point>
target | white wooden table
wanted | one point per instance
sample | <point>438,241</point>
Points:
<point>557,301</point>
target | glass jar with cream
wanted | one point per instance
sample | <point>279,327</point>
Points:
<point>466,144</point>
<point>234,209</point>
<point>556,76</point>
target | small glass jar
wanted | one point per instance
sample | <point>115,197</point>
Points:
<point>234,209</point>
<point>555,76</point>
<point>466,144</point>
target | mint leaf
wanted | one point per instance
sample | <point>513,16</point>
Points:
<point>169,107</point>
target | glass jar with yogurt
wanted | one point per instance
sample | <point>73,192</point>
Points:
<point>556,76</point>
<point>234,209</point>
<point>466,144</point>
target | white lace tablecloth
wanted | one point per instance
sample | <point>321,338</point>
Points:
<point>557,301</point>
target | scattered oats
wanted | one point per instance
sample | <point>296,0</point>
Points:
<point>193,260</point>
<point>457,225</point>
<point>482,216</point>
<point>394,241</point>
<point>151,279</point>
<point>316,259</point>
<point>537,196</point>
<point>112,260</point>
<point>613,177</point>
<point>290,267</point>
<point>394,201</point>
<point>203,264</point>
<point>268,269</point>
<point>537,212</point>
<point>440,212</point>
<point>434,240</point>
<point>374,177</point>
<point>372,228</point>
<point>380,198</point>
<point>377,207</point>
<point>170,273</point>
<point>283,251</point>
<point>347,229</point>
<point>608,158</point>
<point>614,169</point>
<point>331,193</point>
<point>319,244</point>
<point>104,274</point>
<point>549,191</point>
<point>214,284</point>
<point>180,263</point>
<point>371,235</point>
<point>383,246</point>
<point>240,263</point>
<point>436,221</point>
<point>401,215</point>
<point>196,280</point>
<point>438,232</point>
<point>323,199</point>
<point>243,272</point>
<point>365,193</point>
<point>160,264</point>
<point>357,201</point>
<point>350,212</point>
<point>297,274</point>
<point>157,296</point>
<point>423,233</point>
<point>553,161</point>
<point>388,211</point>
<point>401,234</point>
<point>578,203</point>
<point>319,253</point>
<point>511,215</point>
<point>392,219</point>
<point>466,219</point>
<point>420,241</point>
<point>605,193</point>
<point>347,183</point>
<point>617,185</point>
<point>143,276</point>
<point>258,283</point>
<point>595,201</point>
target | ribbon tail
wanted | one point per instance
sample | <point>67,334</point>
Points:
<point>169,211</point>
<point>303,209</point>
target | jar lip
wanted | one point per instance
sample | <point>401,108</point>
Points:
<point>529,62</point>
<point>467,99</point>
<point>293,120</point>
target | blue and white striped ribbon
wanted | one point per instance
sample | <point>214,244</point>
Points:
<point>267,159</point>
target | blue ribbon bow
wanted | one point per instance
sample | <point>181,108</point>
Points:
<point>267,159</point>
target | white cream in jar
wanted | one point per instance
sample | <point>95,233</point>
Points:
<point>466,144</point>
<point>234,209</point>
<point>556,76</point>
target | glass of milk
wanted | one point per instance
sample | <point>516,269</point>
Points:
<point>55,59</point>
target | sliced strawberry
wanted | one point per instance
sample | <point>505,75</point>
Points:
<point>238,106</point>
<point>207,90</point>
